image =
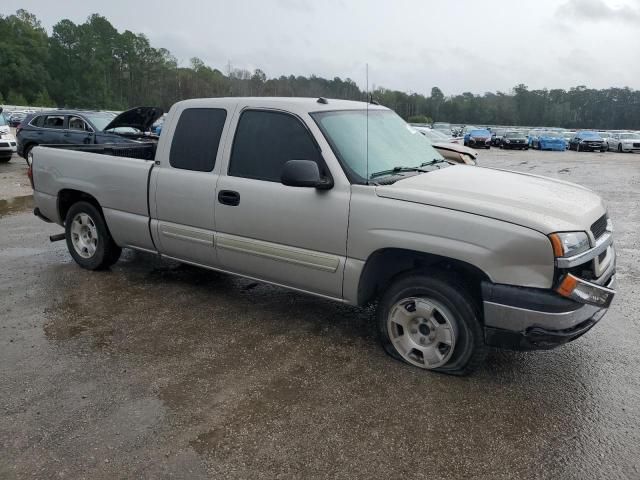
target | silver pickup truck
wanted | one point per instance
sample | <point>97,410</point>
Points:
<point>345,201</point>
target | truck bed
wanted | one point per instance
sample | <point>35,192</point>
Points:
<point>118,181</point>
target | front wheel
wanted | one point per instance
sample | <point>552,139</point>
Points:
<point>88,238</point>
<point>431,322</point>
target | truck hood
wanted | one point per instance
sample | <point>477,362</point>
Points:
<point>536,202</point>
<point>140,118</point>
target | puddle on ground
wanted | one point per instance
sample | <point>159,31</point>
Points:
<point>15,205</point>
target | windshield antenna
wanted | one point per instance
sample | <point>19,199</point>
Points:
<point>367,129</point>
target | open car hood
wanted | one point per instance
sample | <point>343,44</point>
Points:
<point>455,147</point>
<point>140,118</point>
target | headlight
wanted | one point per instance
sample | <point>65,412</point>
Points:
<point>507,141</point>
<point>568,244</point>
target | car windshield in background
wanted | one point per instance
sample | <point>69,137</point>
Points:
<point>480,133</point>
<point>100,120</point>
<point>392,142</point>
<point>591,135</point>
<point>630,136</point>
<point>3,122</point>
<point>514,135</point>
<point>551,134</point>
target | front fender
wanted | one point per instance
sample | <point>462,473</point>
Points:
<point>505,252</point>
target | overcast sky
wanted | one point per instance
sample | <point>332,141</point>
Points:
<point>411,45</point>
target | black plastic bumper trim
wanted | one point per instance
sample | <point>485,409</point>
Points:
<point>538,299</point>
<point>535,338</point>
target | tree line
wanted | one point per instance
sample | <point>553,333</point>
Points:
<point>92,65</point>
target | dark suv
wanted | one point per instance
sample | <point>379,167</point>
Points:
<point>73,127</point>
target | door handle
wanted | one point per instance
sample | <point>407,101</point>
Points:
<point>229,197</point>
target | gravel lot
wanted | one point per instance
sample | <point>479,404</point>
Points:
<point>157,370</point>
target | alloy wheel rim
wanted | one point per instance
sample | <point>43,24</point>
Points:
<point>422,331</point>
<point>84,235</point>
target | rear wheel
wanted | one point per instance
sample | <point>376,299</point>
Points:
<point>88,239</point>
<point>5,159</point>
<point>430,321</point>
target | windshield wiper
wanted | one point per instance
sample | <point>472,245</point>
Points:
<point>432,162</point>
<point>398,170</point>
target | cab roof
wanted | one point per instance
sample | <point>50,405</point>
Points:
<point>297,105</point>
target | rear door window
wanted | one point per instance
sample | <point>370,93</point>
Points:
<point>197,138</point>
<point>54,121</point>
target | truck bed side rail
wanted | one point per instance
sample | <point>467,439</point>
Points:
<point>142,151</point>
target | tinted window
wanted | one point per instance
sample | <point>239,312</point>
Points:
<point>265,141</point>
<point>38,121</point>
<point>54,121</point>
<point>196,139</point>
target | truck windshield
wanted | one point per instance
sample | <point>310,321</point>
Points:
<point>392,143</point>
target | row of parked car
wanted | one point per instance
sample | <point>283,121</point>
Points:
<point>542,138</point>
<point>82,127</point>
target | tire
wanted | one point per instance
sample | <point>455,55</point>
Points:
<point>450,308</point>
<point>577,147</point>
<point>88,238</point>
<point>5,159</point>
<point>619,148</point>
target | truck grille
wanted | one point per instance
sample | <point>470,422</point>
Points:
<point>599,227</point>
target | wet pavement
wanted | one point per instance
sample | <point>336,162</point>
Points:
<point>158,370</point>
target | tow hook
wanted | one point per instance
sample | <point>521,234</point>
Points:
<point>57,237</point>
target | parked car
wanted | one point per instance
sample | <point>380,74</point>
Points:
<point>72,127</point>
<point>549,140</point>
<point>477,139</point>
<point>496,136</point>
<point>156,128</point>
<point>7,140</point>
<point>587,140</point>
<point>16,118</point>
<point>284,191</point>
<point>625,142</point>
<point>514,140</point>
<point>451,151</point>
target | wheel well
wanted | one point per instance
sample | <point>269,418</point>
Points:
<point>384,265</point>
<point>26,147</point>
<point>67,197</point>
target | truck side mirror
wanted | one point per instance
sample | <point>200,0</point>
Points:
<point>303,173</point>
